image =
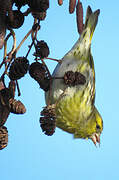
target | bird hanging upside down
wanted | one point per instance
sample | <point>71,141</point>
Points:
<point>74,102</point>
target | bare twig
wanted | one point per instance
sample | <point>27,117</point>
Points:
<point>18,89</point>
<point>29,49</point>
<point>33,36</point>
<point>59,61</point>
<point>16,50</point>
<point>14,42</point>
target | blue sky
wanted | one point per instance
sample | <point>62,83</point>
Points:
<point>32,155</point>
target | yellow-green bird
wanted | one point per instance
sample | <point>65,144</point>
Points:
<point>74,105</point>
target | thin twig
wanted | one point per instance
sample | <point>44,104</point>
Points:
<point>18,89</point>
<point>46,67</point>
<point>5,44</point>
<point>29,49</point>
<point>33,32</point>
<point>57,77</point>
<point>5,50</point>
<point>15,51</point>
<point>59,61</point>
<point>14,42</point>
<point>11,52</point>
<point>50,80</point>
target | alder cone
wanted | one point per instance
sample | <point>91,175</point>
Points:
<point>20,3</point>
<point>42,50</point>
<point>39,15</point>
<point>69,78</point>
<point>48,120</point>
<point>3,137</point>
<point>38,5</point>
<point>79,79</point>
<point>39,72</point>
<point>18,19</point>
<point>4,113</point>
<point>12,88</point>
<point>18,68</point>
<point>5,95</point>
<point>16,107</point>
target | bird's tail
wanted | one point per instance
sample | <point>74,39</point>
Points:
<point>91,21</point>
<point>83,44</point>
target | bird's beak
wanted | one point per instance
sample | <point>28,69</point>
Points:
<point>95,138</point>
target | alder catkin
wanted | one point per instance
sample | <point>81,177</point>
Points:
<point>60,2</point>
<point>72,4</point>
<point>79,17</point>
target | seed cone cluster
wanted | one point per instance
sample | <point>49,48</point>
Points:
<point>12,104</point>
<point>42,50</point>
<point>38,5</point>
<point>3,137</point>
<point>48,120</point>
<point>74,78</point>
<point>39,72</point>
<point>18,68</point>
<point>20,3</point>
<point>17,21</point>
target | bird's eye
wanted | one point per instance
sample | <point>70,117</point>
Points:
<point>97,126</point>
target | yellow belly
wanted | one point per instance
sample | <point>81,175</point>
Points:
<point>76,104</point>
<point>72,111</point>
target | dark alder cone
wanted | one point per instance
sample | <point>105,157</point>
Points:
<point>18,19</point>
<point>5,95</point>
<point>18,68</point>
<point>4,98</point>
<point>39,72</point>
<point>42,50</point>
<point>20,3</point>
<point>74,78</point>
<point>3,137</point>
<point>39,15</point>
<point>69,78</point>
<point>79,79</point>
<point>16,107</point>
<point>48,120</point>
<point>12,88</point>
<point>38,5</point>
<point>45,85</point>
<point>4,113</point>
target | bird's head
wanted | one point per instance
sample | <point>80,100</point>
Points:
<point>91,128</point>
